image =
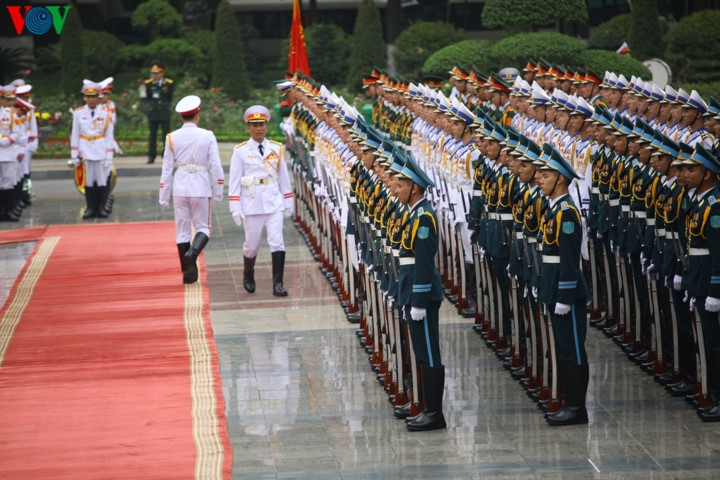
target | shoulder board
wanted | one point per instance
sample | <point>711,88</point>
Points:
<point>276,143</point>
<point>240,144</point>
<point>168,80</point>
<point>564,205</point>
<point>149,80</point>
<point>79,108</point>
<point>712,200</point>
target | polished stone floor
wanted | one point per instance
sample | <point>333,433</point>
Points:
<point>302,402</point>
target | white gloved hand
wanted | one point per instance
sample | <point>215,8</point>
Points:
<point>525,292</point>
<point>417,314</point>
<point>75,161</point>
<point>691,303</point>
<point>612,246</point>
<point>651,268</point>
<point>482,252</point>
<point>238,217</point>
<point>686,297</point>
<point>535,292</point>
<point>677,282</point>
<point>218,197</point>
<point>164,204</point>
<point>562,309</point>
<point>5,142</point>
<point>712,304</point>
<point>107,164</point>
<point>288,212</point>
<point>390,302</point>
<point>599,235</point>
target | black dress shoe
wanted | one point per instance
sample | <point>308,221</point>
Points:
<point>682,390</point>
<point>354,317</point>
<point>468,312</point>
<point>568,416</point>
<point>710,415</point>
<point>402,412</point>
<point>427,421</point>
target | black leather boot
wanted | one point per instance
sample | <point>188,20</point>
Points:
<point>433,385</point>
<point>89,203</point>
<point>249,274</point>
<point>182,250</point>
<point>712,414</point>
<point>278,267</point>
<point>102,193</point>
<point>190,257</point>
<point>575,380</point>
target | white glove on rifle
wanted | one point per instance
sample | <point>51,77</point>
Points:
<point>164,205</point>
<point>712,304</point>
<point>238,217</point>
<point>535,292</point>
<point>288,212</point>
<point>417,314</point>
<point>562,309</point>
<point>677,282</point>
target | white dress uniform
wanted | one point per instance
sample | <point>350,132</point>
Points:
<point>199,176</point>
<point>93,139</point>
<point>12,143</point>
<point>260,189</point>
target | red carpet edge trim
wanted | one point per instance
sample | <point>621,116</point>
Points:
<point>24,291</point>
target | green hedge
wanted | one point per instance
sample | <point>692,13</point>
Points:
<point>468,53</point>
<point>516,50</point>
<point>693,47</point>
<point>416,43</point>
<point>602,60</point>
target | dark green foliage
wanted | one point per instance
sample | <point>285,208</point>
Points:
<point>178,56</point>
<point>601,60</point>
<point>515,51</point>
<point>516,16</point>
<point>328,50</point>
<point>468,53</point>
<point>368,48</point>
<point>645,36</point>
<point>12,60</point>
<point>73,66</point>
<point>102,51</point>
<point>705,89</point>
<point>611,34</point>
<point>204,40</point>
<point>416,43</point>
<point>229,72</point>
<point>156,17</point>
<point>693,48</point>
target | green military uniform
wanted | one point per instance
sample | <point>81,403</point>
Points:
<point>158,96</point>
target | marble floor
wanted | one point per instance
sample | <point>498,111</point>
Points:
<point>302,402</point>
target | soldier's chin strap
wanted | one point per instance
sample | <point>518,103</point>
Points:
<point>554,185</point>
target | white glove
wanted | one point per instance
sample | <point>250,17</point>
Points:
<point>482,252</point>
<point>562,309</point>
<point>417,314</point>
<point>677,282</point>
<point>599,235</point>
<point>651,268</point>
<point>164,204</point>
<point>107,163</point>
<point>218,196</point>
<point>643,262</point>
<point>5,142</point>
<point>535,292</point>
<point>288,212</point>
<point>712,304</point>
<point>612,246</point>
<point>691,303</point>
<point>390,302</point>
<point>238,217</point>
<point>525,292</point>
<point>686,297</point>
<point>75,161</point>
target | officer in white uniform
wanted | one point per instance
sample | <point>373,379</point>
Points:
<point>12,151</point>
<point>259,192</point>
<point>199,177</point>
<point>91,141</point>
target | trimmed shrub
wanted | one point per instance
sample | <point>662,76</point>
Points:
<point>693,48</point>
<point>554,47</point>
<point>328,51</point>
<point>102,52</point>
<point>516,16</point>
<point>468,53</point>
<point>645,37</point>
<point>611,34</point>
<point>73,66</point>
<point>368,48</point>
<point>229,72</point>
<point>415,45</point>
<point>602,60</point>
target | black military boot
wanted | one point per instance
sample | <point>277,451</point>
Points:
<point>433,385</point>
<point>102,193</point>
<point>575,380</point>
<point>278,267</point>
<point>190,257</point>
<point>249,274</point>
<point>89,203</point>
<point>182,250</point>
<point>712,414</point>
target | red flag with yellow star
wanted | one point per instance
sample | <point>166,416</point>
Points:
<point>298,59</point>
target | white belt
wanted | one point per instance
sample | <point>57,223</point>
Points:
<point>638,214</point>
<point>519,235</point>
<point>395,252</point>
<point>353,199</point>
<point>406,261</point>
<point>624,208</point>
<point>387,249</point>
<point>378,233</point>
<point>193,168</point>
<point>696,252</point>
<point>505,216</point>
<point>650,222</point>
<point>477,193</point>
<point>551,258</point>
<point>492,216</point>
<point>531,239</point>
<point>669,234</point>
<point>660,232</point>
<point>595,190</point>
<point>614,202</point>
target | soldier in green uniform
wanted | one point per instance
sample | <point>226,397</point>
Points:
<point>563,289</point>
<point>420,292</point>
<point>156,94</point>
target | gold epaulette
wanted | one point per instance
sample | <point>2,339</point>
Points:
<point>149,80</point>
<point>168,80</point>
<point>276,143</point>
<point>240,144</point>
<point>79,108</point>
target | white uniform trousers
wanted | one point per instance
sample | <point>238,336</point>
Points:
<point>273,223</point>
<point>8,174</point>
<point>191,212</point>
<point>95,173</point>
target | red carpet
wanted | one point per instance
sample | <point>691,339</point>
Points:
<point>108,368</point>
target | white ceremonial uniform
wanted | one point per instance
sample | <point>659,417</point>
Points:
<point>31,131</point>
<point>260,189</point>
<point>199,176</point>
<point>12,144</point>
<point>93,140</point>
